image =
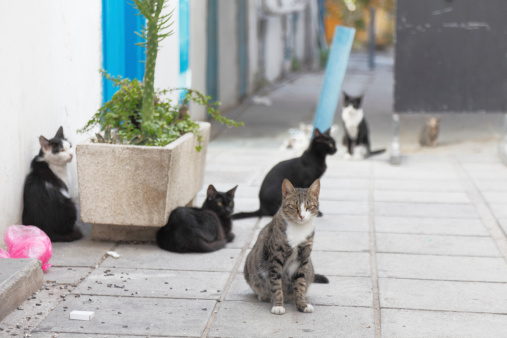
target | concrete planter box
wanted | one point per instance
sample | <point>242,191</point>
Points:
<point>128,192</point>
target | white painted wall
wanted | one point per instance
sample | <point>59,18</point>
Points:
<point>198,53</point>
<point>167,70</point>
<point>274,49</point>
<point>50,54</point>
<point>228,73</point>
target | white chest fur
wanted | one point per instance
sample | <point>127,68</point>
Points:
<point>298,233</point>
<point>352,118</point>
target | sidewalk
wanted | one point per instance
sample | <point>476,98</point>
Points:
<point>417,250</point>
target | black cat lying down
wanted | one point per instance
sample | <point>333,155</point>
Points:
<point>203,229</point>
<point>301,171</point>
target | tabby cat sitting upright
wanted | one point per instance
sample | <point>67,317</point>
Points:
<point>429,133</point>
<point>200,230</point>
<point>356,134</point>
<point>279,268</point>
<point>301,171</point>
<point>46,199</point>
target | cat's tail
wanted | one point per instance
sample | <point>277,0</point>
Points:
<point>377,152</point>
<point>204,246</point>
<point>242,215</point>
<point>321,279</point>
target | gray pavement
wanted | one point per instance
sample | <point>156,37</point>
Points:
<point>416,250</point>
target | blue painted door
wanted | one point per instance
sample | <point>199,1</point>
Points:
<point>120,54</point>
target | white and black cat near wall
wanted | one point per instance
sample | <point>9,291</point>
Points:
<point>46,198</point>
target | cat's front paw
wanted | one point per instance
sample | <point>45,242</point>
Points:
<point>308,308</point>
<point>278,310</point>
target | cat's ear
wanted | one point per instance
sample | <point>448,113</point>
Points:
<point>59,133</point>
<point>317,133</point>
<point>345,96</point>
<point>314,189</point>
<point>287,188</point>
<point>232,191</point>
<point>44,143</point>
<point>328,132</point>
<point>212,192</point>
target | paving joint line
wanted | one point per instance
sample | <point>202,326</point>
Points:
<point>234,272</point>
<point>482,207</point>
<point>373,256</point>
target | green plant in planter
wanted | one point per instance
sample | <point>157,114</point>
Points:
<point>139,113</point>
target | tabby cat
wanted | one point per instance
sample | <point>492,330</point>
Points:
<point>356,136</point>
<point>46,199</point>
<point>279,268</point>
<point>429,133</point>
<point>200,230</point>
<point>301,171</point>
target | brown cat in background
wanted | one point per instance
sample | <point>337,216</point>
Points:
<point>279,266</point>
<point>429,133</point>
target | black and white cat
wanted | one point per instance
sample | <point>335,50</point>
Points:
<point>301,171</point>
<point>200,230</point>
<point>356,134</point>
<point>46,199</point>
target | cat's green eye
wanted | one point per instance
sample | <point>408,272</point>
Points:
<point>219,204</point>
<point>62,150</point>
<point>230,203</point>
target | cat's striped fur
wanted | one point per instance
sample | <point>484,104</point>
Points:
<point>279,267</point>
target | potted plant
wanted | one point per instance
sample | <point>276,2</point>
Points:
<point>150,156</point>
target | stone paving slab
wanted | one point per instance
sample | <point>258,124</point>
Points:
<point>334,194</point>
<point>341,241</point>
<point>84,253</point>
<point>344,183</point>
<point>343,208</point>
<point>443,295</point>
<point>79,335</point>
<point>353,264</point>
<point>341,291</point>
<point>131,316</point>
<point>421,197</point>
<point>411,185</point>
<point>154,283</point>
<point>436,245</point>
<point>437,226</point>
<point>242,229</point>
<point>65,275</point>
<point>452,268</point>
<point>342,223</point>
<point>496,185</point>
<point>241,319</point>
<point>149,256</point>
<point>499,210</point>
<point>425,210</point>
<point>423,324</point>
<point>495,196</point>
<point>408,174</point>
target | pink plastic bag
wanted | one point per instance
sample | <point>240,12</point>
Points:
<point>28,241</point>
<point>4,254</point>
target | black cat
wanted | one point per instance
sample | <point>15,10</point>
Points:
<point>301,171</point>
<point>200,230</point>
<point>356,136</point>
<point>46,199</point>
